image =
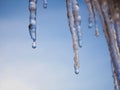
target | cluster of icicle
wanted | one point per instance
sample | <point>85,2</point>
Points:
<point>92,15</point>
<point>32,19</point>
<point>109,12</point>
<point>74,20</point>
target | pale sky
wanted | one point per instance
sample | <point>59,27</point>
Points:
<point>50,65</point>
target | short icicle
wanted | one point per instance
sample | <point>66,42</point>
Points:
<point>89,6</point>
<point>32,22</point>
<point>95,18</point>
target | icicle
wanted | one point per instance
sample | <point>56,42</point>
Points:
<point>114,75</point>
<point>103,13</point>
<point>117,26</point>
<point>116,22</point>
<point>89,6</point>
<point>45,3</point>
<point>32,25</point>
<point>77,20</point>
<point>74,36</point>
<point>115,80</point>
<point>98,9</point>
<point>95,18</point>
<point>112,43</point>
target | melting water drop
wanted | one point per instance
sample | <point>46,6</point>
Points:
<point>34,45</point>
<point>76,70</point>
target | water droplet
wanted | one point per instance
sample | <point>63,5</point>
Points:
<point>76,71</point>
<point>34,45</point>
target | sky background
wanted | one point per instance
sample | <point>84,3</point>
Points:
<point>50,65</point>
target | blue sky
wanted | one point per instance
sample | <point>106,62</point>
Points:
<point>50,65</point>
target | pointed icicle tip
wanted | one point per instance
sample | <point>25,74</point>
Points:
<point>34,45</point>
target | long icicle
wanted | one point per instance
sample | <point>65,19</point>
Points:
<point>74,36</point>
<point>106,32</point>
<point>117,26</point>
<point>112,43</point>
<point>115,17</point>
<point>77,20</point>
<point>32,22</point>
